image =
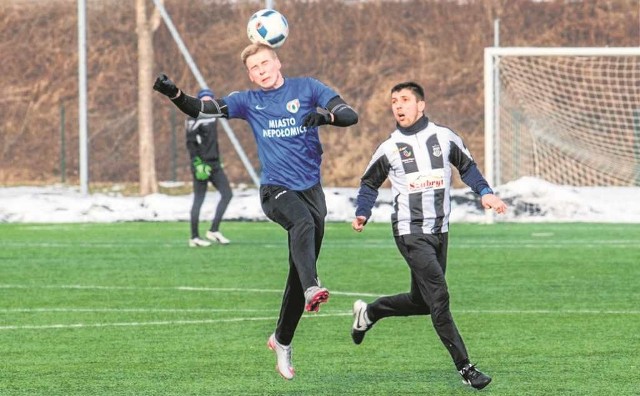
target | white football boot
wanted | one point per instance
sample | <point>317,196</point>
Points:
<point>217,236</point>
<point>361,322</point>
<point>197,242</point>
<point>283,357</point>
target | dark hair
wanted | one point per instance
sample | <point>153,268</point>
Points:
<point>417,90</point>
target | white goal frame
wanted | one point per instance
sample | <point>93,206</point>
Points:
<point>492,56</point>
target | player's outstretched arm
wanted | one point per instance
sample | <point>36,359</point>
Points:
<point>189,105</point>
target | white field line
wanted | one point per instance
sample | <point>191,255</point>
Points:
<point>273,318</point>
<point>180,288</point>
<point>225,320</point>
<point>157,323</point>
<point>142,310</point>
<point>133,310</point>
<point>335,313</point>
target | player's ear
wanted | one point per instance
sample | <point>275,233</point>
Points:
<point>421,105</point>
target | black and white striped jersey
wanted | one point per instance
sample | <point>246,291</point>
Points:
<point>418,161</point>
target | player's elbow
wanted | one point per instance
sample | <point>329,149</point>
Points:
<point>346,118</point>
<point>353,119</point>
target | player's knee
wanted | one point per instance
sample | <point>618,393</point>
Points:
<point>303,224</point>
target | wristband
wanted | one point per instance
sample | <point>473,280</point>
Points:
<point>486,190</point>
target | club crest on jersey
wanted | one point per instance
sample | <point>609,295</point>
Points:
<point>405,151</point>
<point>293,106</point>
<point>437,151</point>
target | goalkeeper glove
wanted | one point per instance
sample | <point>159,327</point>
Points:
<point>165,86</point>
<point>316,119</point>
<point>202,170</point>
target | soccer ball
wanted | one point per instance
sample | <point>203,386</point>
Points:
<point>268,27</point>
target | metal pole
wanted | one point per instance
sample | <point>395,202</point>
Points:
<point>490,140</point>
<point>174,145</point>
<point>63,145</point>
<point>497,168</point>
<point>636,145</point>
<point>82,96</point>
<point>203,84</point>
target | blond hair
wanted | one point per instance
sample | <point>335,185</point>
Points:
<point>253,49</point>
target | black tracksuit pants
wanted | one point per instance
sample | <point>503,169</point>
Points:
<point>302,214</point>
<point>219,180</point>
<point>426,255</point>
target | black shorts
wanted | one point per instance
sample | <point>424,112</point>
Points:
<point>285,206</point>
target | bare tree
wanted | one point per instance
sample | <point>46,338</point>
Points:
<point>146,26</point>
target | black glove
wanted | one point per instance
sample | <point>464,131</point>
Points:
<point>165,86</point>
<point>316,119</point>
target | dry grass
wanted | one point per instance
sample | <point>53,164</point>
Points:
<point>359,49</point>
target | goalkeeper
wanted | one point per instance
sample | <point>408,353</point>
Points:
<point>284,115</point>
<point>206,166</point>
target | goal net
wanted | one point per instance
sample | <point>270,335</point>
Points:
<point>570,116</point>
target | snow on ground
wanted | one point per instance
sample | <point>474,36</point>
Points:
<point>529,200</point>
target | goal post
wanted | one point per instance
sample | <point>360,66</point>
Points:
<point>570,116</point>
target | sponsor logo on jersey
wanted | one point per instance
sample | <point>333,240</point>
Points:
<point>260,107</point>
<point>420,182</point>
<point>282,122</point>
<point>436,150</point>
<point>293,106</point>
<point>283,127</point>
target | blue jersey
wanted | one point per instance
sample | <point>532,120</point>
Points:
<point>290,154</point>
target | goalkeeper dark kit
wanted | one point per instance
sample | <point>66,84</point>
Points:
<point>202,141</point>
<point>206,166</point>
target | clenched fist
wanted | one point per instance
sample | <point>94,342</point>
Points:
<point>165,86</point>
